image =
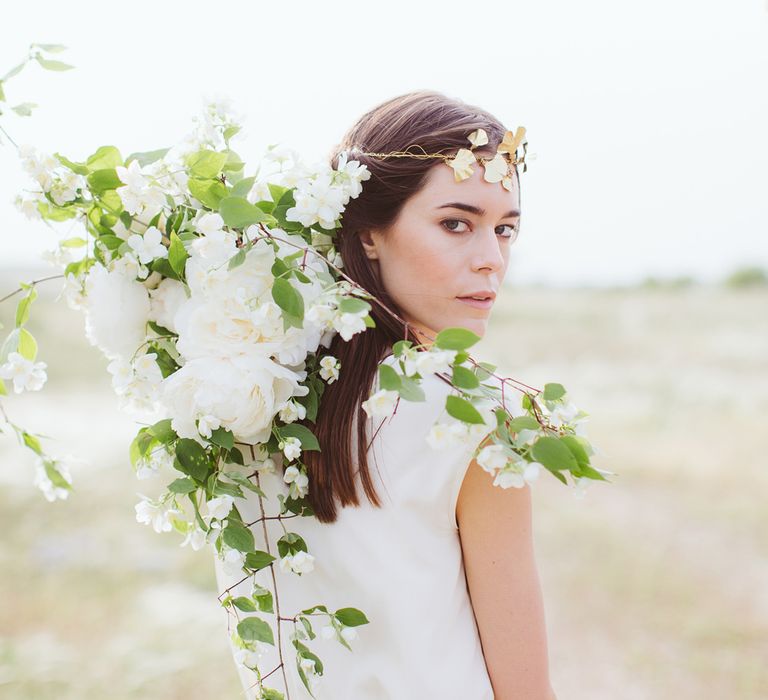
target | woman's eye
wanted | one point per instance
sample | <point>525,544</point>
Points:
<point>450,225</point>
<point>511,233</point>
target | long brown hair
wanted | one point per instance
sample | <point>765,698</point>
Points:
<point>437,124</point>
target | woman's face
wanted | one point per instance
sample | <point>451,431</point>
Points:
<point>451,240</point>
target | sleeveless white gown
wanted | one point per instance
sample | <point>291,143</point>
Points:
<point>400,564</point>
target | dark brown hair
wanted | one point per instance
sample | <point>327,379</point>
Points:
<point>437,124</point>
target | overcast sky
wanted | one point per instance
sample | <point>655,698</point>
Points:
<point>649,121</point>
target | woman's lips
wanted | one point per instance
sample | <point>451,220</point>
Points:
<point>477,303</point>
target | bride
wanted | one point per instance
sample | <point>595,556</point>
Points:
<point>438,558</point>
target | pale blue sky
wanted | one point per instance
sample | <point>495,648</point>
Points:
<point>648,120</point>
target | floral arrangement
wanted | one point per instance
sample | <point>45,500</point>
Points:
<point>229,289</point>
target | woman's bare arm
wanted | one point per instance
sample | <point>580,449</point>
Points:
<point>497,543</point>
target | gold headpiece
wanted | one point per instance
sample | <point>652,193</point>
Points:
<point>500,168</point>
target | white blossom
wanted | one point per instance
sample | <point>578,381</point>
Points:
<point>157,514</point>
<point>349,633</point>
<point>116,311</point>
<point>292,411</point>
<point>165,300</point>
<point>507,478</point>
<point>299,563</point>
<point>329,368</point>
<point>381,403</point>
<point>27,375</point>
<point>298,482</point>
<point>291,448</point>
<point>232,561</point>
<point>492,457</point>
<point>195,537</point>
<point>220,506</point>
<point>148,246</point>
<point>349,324</point>
<point>53,476</point>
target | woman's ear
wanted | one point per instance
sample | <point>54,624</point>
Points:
<point>368,241</point>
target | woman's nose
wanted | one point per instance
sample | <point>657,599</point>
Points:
<point>488,254</point>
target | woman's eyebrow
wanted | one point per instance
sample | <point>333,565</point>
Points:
<point>472,209</point>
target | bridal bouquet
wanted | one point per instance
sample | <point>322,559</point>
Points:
<point>214,292</point>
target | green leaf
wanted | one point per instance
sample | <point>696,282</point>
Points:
<point>553,454</point>
<point>14,71</point>
<point>24,109</point>
<point>2,93</point>
<point>238,537</point>
<point>243,187</point>
<point>3,390</point>
<point>304,434</point>
<point>48,64</point>
<point>205,164</point>
<point>245,482</point>
<point>576,448</point>
<point>208,192</point>
<point>254,629</point>
<point>271,693</point>
<point>465,378</point>
<point>51,48</point>
<point>307,627</point>
<point>27,347</point>
<point>177,255</point>
<point>353,305</point>
<point>238,212</point>
<point>462,409</point>
<point>237,259</point>
<point>389,379</point>
<point>103,180</point>
<point>288,299</point>
<point>410,390</point>
<point>147,157</point>
<point>314,609</point>
<point>523,423</point>
<point>163,431</point>
<point>191,459</point>
<point>351,617</point>
<point>258,560</point>
<point>456,339</point>
<point>79,168</point>
<point>264,601</point>
<point>22,310</point>
<point>222,488</point>
<point>553,392</point>
<point>223,438</point>
<point>104,158</point>
<point>32,443</point>
<point>290,543</point>
<point>245,604</point>
<point>182,486</point>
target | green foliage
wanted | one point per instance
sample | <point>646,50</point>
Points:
<point>192,459</point>
<point>456,339</point>
<point>305,436</point>
<point>238,212</point>
<point>462,409</point>
<point>254,629</point>
<point>747,277</point>
<point>288,299</point>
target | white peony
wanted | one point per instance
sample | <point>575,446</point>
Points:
<point>243,393</point>
<point>165,300</point>
<point>116,311</point>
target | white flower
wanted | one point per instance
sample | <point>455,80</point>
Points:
<point>291,448</point>
<point>244,393</point>
<point>40,166</point>
<point>29,205</point>
<point>349,633</point>
<point>492,457</point>
<point>209,224</point>
<point>220,506</point>
<point>349,324</point>
<point>327,632</point>
<point>27,375</point>
<point>138,195</point>
<point>165,300</point>
<point>381,403</point>
<point>428,362</point>
<point>73,292</point>
<point>440,436</point>
<point>249,658</point>
<point>297,480</point>
<point>232,561</point>
<point>148,246</point>
<point>507,478</point>
<point>292,411</point>
<point>531,471</point>
<point>52,477</point>
<point>299,563</point>
<point>137,383</point>
<point>581,486</point>
<point>195,538</point>
<point>266,465</point>
<point>116,311</point>
<point>207,424</point>
<point>150,465</point>
<point>321,315</point>
<point>156,514</point>
<point>329,368</point>
<point>307,664</point>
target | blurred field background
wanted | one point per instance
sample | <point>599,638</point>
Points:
<point>655,586</point>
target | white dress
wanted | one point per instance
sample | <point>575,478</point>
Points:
<point>400,564</point>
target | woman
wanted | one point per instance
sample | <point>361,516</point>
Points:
<point>438,558</point>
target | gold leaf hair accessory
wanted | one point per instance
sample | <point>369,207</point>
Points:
<point>500,168</point>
